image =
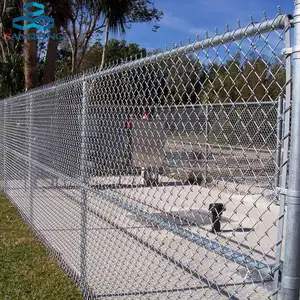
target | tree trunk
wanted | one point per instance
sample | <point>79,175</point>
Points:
<point>51,56</point>
<point>4,58</point>
<point>74,62</point>
<point>105,44</point>
<point>30,57</point>
<point>30,54</point>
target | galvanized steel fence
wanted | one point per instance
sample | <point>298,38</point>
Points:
<point>162,177</point>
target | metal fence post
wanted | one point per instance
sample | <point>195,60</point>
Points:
<point>4,147</point>
<point>206,142</point>
<point>291,266</point>
<point>83,182</point>
<point>279,141</point>
<point>30,167</point>
<point>284,149</point>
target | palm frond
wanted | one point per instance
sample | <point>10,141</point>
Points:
<point>60,10</point>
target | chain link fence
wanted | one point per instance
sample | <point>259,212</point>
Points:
<point>237,129</point>
<point>157,178</point>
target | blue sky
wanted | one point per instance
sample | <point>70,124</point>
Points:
<point>186,18</point>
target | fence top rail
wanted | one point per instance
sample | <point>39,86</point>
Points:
<point>281,21</point>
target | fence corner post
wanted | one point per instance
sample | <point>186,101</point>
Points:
<point>290,285</point>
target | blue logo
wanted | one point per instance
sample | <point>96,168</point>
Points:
<point>33,17</point>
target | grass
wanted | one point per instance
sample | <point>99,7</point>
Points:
<point>27,270</point>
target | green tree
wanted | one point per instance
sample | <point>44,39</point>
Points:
<point>9,9</point>
<point>117,50</point>
<point>256,73</point>
<point>224,82</point>
<point>11,60</point>
<point>64,62</point>
<point>81,29</point>
<point>92,19</point>
<point>11,75</point>
<point>277,78</point>
<point>184,76</point>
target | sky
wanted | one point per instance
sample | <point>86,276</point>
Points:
<point>185,19</point>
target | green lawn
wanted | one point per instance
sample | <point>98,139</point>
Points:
<point>27,271</point>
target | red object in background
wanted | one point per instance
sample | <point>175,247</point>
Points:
<point>128,124</point>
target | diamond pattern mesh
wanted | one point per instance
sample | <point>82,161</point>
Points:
<point>125,173</point>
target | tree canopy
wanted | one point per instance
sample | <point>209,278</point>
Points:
<point>178,79</point>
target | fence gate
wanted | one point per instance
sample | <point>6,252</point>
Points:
<point>216,134</point>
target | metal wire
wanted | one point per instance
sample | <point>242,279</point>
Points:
<point>117,170</point>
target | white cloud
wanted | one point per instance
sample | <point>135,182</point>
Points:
<point>171,21</point>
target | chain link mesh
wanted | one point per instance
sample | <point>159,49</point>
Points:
<point>124,173</point>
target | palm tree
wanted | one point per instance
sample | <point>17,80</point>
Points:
<point>61,11</point>
<point>30,56</point>
<point>115,12</point>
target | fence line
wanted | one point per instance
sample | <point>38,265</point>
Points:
<point>162,174</point>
